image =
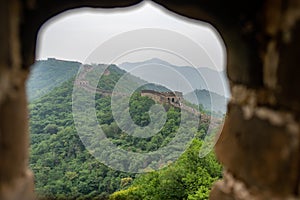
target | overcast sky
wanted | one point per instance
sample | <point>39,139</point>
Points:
<point>74,35</point>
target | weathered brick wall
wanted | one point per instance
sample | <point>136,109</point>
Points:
<point>259,145</point>
<point>16,181</point>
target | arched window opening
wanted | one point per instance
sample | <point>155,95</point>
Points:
<point>91,64</point>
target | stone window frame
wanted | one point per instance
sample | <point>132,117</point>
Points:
<point>252,32</point>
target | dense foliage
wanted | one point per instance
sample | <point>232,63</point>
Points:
<point>64,169</point>
<point>190,177</point>
<point>62,166</point>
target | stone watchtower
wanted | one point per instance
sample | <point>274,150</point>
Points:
<point>164,97</point>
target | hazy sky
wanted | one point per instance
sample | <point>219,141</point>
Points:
<point>74,35</point>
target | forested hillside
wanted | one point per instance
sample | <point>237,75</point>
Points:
<point>190,177</point>
<point>48,74</point>
<point>64,169</point>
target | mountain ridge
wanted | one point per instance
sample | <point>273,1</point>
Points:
<point>49,74</point>
<point>198,78</point>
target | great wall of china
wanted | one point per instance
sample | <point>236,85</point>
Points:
<point>174,99</point>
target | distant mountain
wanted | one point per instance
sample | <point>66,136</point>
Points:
<point>209,100</point>
<point>48,74</point>
<point>183,78</point>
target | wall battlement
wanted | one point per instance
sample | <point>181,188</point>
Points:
<point>164,97</point>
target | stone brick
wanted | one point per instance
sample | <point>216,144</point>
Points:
<point>263,155</point>
<point>243,65</point>
<point>288,92</point>
<point>217,192</point>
